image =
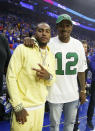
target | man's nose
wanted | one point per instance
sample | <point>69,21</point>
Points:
<point>44,33</point>
<point>64,27</point>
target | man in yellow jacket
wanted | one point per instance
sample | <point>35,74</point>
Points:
<point>29,73</point>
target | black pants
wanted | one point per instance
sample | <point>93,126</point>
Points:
<point>1,84</point>
<point>2,112</point>
<point>91,106</point>
<point>1,106</point>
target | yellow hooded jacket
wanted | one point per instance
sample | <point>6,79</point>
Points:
<point>23,85</point>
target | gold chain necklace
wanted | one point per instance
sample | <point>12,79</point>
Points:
<point>43,56</point>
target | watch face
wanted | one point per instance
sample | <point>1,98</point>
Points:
<point>50,77</point>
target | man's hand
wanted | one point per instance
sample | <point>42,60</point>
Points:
<point>82,97</point>
<point>21,116</point>
<point>28,42</point>
<point>42,73</point>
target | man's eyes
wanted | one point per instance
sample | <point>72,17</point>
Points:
<point>40,30</point>
<point>48,31</point>
<point>66,25</point>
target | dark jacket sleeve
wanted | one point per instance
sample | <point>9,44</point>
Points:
<point>8,53</point>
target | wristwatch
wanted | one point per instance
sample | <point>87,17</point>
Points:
<point>50,77</point>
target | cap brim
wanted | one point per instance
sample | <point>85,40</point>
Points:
<point>58,21</point>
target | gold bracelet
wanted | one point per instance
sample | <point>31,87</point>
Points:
<point>84,91</point>
<point>18,108</point>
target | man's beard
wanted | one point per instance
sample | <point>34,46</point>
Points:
<point>41,44</point>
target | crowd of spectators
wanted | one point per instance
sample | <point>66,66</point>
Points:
<point>16,29</point>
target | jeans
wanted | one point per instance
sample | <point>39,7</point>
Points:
<point>70,111</point>
<point>76,122</point>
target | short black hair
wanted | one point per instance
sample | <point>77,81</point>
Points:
<point>42,23</point>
